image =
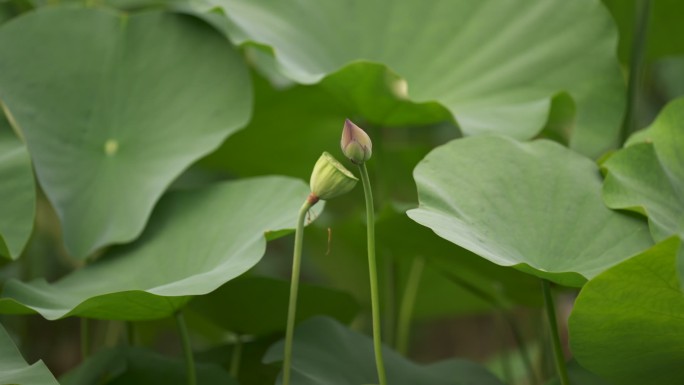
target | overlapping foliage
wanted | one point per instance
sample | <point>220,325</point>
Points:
<point>169,137</point>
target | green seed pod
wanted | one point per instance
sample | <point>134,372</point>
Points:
<point>330,179</point>
<point>356,144</point>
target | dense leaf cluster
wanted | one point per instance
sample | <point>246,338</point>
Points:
<point>152,157</point>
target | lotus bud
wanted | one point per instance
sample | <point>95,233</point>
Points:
<point>330,179</point>
<point>356,144</point>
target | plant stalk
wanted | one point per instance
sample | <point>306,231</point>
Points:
<point>520,342</point>
<point>373,272</point>
<point>389,325</point>
<point>499,303</point>
<point>636,62</point>
<point>555,336</point>
<point>294,288</point>
<point>236,358</point>
<point>407,303</point>
<point>187,348</point>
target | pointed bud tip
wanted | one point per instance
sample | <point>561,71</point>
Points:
<point>355,143</point>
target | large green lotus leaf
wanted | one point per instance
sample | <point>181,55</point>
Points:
<point>627,322</point>
<point>328,353</point>
<point>138,366</point>
<point>494,64</point>
<point>113,107</point>
<point>15,370</point>
<point>262,304</point>
<point>196,241</point>
<point>535,206</point>
<point>648,175</point>
<point>17,194</point>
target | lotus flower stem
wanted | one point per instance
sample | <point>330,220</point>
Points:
<point>408,301</point>
<point>555,337</point>
<point>522,346</point>
<point>373,272</point>
<point>328,180</point>
<point>506,370</point>
<point>294,288</point>
<point>187,348</point>
<point>236,357</point>
<point>636,62</point>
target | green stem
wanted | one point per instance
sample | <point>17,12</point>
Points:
<point>373,272</point>
<point>555,336</point>
<point>506,370</point>
<point>546,364</point>
<point>236,358</point>
<point>407,303</point>
<point>187,348</point>
<point>294,288</point>
<point>636,61</point>
<point>522,347</point>
<point>85,339</point>
<point>500,303</point>
<point>390,288</point>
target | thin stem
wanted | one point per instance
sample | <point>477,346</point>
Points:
<point>236,358</point>
<point>506,369</point>
<point>522,347</point>
<point>407,303</point>
<point>373,272</point>
<point>294,288</point>
<point>187,348</point>
<point>390,288</point>
<point>555,337</point>
<point>500,303</point>
<point>642,16</point>
<point>85,339</point>
<point>546,364</point>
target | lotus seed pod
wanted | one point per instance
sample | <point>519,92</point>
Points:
<point>330,178</point>
<point>356,144</point>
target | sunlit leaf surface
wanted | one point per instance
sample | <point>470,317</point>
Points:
<point>494,64</point>
<point>648,175</point>
<point>196,241</point>
<point>535,206</point>
<point>627,322</point>
<point>114,106</point>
